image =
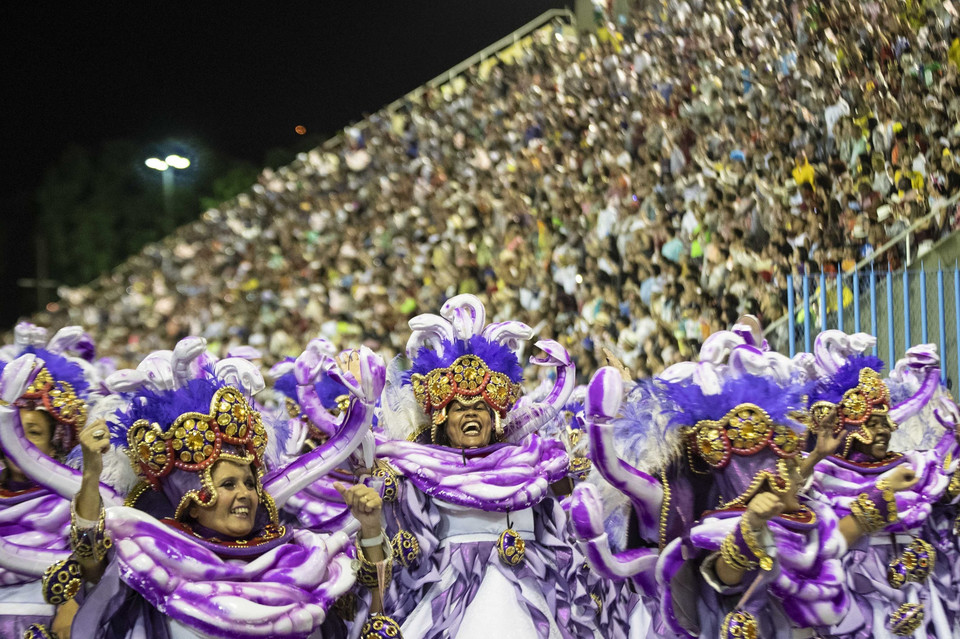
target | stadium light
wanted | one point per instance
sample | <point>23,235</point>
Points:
<point>177,162</point>
<point>170,162</point>
<point>157,164</point>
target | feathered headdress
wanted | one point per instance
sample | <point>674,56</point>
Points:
<point>851,380</point>
<point>181,420</point>
<point>333,396</point>
<point>859,392</point>
<point>742,435</point>
<point>457,356</point>
<point>60,385</point>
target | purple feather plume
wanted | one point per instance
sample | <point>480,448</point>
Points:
<point>61,369</point>
<point>497,356</point>
<point>327,389</point>
<point>847,377</point>
<point>163,407</point>
<point>692,405</point>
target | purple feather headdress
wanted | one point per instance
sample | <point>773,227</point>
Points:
<point>328,389</point>
<point>691,405</point>
<point>457,356</point>
<point>497,357</point>
<point>859,392</point>
<point>743,436</point>
<point>59,388</point>
<point>176,436</point>
<point>847,377</point>
<point>468,371</point>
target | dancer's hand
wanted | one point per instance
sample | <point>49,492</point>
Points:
<point>365,505</point>
<point>762,508</point>
<point>94,442</point>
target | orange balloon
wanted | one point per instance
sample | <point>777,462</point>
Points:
<point>300,129</point>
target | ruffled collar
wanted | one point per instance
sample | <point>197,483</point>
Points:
<point>868,465</point>
<point>501,477</point>
<point>233,547</point>
<point>290,586</point>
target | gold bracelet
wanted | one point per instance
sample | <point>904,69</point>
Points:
<point>865,512</point>
<point>367,570</point>
<point>89,543</point>
<point>953,488</point>
<point>750,538</point>
<point>62,581</point>
<point>891,498</point>
<point>732,555</point>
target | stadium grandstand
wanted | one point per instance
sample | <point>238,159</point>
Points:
<point>633,186</point>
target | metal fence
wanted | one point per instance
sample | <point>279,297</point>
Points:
<point>901,308</point>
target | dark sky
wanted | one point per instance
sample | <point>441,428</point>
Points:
<point>239,76</point>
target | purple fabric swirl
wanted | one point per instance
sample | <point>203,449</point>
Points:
<point>319,507</point>
<point>837,482</point>
<point>805,589</point>
<point>34,528</point>
<point>285,592</point>
<point>499,478</point>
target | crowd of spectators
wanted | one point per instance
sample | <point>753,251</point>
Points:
<point>635,188</point>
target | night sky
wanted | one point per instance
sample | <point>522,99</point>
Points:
<point>240,77</point>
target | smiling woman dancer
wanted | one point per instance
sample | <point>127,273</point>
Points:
<point>476,540</point>
<point>199,552</point>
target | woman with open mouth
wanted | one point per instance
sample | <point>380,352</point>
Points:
<point>470,542</point>
<point>198,550</point>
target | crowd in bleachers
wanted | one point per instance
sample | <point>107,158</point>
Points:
<point>635,188</point>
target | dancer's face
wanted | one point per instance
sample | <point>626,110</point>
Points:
<point>235,510</point>
<point>879,428</point>
<point>790,501</point>
<point>38,429</point>
<point>469,426</point>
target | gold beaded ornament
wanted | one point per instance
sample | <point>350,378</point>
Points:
<point>906,619</point>
<point>468,380</point>
<point>739,624</point>
<point>745,430</point>
<point>61,582</point>
<point>366,570</point>
<point>39,631</point>
<point>406,548</point>
<point>380,627</point>
<point>89,544</point>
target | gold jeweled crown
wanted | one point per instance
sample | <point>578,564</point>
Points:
<point>467,378</point>
<point>745,430</point>
<point>194,441</point>
<point>869,397</point>
<point>59,398</point>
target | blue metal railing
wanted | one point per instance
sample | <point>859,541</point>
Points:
<point>900,319</point>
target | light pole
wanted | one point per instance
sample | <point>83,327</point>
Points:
<point>170,162</point>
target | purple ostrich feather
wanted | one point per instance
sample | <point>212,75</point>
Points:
<point>164,407</point>
<point>327,389</point>
<point>497,356</point>
<point>61,369</point>
<point>692,405</point>
<point>847,377</point>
